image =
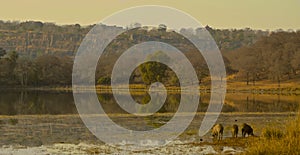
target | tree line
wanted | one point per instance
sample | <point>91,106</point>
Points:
<point>41,71</point>
<point>249,55</point>
<point>34,38</point>
<point>275,57</point>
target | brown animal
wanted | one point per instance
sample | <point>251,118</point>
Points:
<point>217,131</point>
<point>247,129</point>
<point>235,131</point>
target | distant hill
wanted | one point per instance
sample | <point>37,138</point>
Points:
<point>36,38</point>
<point>33,38</point>
<point>41,54</point>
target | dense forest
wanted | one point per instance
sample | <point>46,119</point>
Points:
<point>41,54</point>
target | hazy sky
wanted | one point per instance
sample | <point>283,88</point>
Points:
<point>257,14</point>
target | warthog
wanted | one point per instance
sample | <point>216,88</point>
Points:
<point>217,131</point>
<point>246,129</point>
<point>235,131</point>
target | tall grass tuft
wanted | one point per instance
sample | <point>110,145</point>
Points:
<point>278,141</point>
<point>272,133</point>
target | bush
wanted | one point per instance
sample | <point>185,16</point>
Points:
<point>13,121</point>
<point>275,142</point>
<point>104,81</point>
<point>272,133</point>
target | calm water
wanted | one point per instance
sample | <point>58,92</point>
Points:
<point>36,129</point>
<point>54,102</point>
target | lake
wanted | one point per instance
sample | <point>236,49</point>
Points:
<point>38,118</point>
<point>32,102</point>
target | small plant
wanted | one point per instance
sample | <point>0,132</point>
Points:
<point>104,81</point>
<point>272,133</point>
<point>191,132</point>
<point>13,121</point>
<point>93,150</point>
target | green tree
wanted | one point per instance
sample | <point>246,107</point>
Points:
<point>153,71</point>
<point>13,56</point>
<point>2,52</point>
<point>104,80</point>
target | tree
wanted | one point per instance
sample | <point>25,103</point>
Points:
<point>153,71</point>
<point>249,63</point>
<point>104,81</point>
<point>13,56</point>
<point>274,57</point>
<point>296,61</point>
<point>162,27</point>
<point>53,70</point>
<point>2,52</point>
<point>24,71</point>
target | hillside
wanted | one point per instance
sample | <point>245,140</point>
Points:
<point>41,54</point>
<point>35,38</point>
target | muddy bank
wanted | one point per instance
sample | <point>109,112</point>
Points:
<point>176,147</point>
<point>36,130</point>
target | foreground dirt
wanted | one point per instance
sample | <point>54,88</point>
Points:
<point>64,134</point>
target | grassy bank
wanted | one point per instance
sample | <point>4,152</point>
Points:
<point>278,141</point>
<point>260,87</point>
<point>269,87</point>
<point>265,87</point>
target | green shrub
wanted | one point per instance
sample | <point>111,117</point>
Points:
<point>13,121</point>
<point>104,81</point>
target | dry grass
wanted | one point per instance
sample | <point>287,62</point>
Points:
<point>278,141</point>
<point>266,86</point>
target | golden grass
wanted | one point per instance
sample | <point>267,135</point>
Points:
<point>278,141</point>
<point>262,98</point>
<point>266,86</point>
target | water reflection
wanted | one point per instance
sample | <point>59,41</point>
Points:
<point>54,102</point>
<point>36,102</point>
<point>111,106</point>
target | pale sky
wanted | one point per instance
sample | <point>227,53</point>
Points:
<point>256,14</point>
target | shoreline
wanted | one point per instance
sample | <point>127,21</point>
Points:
<point>143,89</point>
<point>155,114</point>
<point>67,133</point>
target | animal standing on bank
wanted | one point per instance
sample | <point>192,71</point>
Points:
<point>235,131</point>
<point>217,131</point>
<point>247,130</point>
